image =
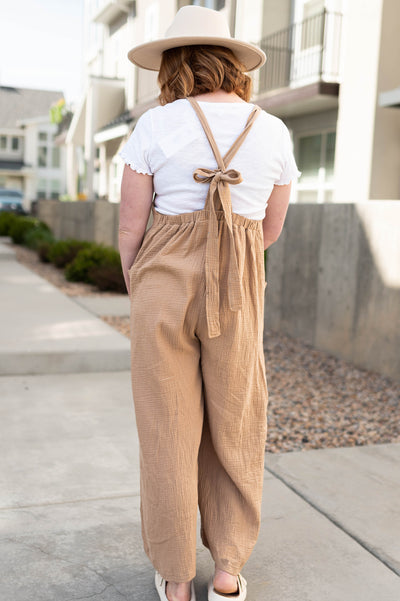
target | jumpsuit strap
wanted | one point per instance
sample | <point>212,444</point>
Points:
<point>219,180</point>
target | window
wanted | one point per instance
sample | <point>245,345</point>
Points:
<point>41,188</point>
<point>330,155</point>
<point>48,152</point>
<point>310,156</point>
<point>54,189</point>
<point>315,159</point>
<point>55,156</point>
<point>10,143</point>
<point>42,156</point>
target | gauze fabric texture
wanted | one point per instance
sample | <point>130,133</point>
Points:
<point>200,402</point>
<point>198,376</point>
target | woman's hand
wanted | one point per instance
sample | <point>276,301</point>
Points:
<point>136,197</point>
<point>275,213</point>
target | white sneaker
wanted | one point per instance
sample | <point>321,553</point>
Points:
<point>161,583</point>
<point>213,595</point>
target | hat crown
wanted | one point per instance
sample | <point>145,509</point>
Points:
<point>192,21</point>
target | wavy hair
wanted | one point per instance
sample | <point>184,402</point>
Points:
<point>198,69</point>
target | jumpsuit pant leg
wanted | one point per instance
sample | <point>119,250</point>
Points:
<point>232,450</point>
<point>200,403</point>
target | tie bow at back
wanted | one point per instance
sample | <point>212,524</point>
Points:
<point>218,191</point>
<point>205,176</point>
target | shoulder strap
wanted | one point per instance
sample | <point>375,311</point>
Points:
<point>223,162</point>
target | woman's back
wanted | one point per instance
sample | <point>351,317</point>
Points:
<point>169,143</point>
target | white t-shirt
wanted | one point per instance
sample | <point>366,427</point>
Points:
<point>169,143</point>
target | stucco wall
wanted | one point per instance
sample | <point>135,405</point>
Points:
<point>385,168</point>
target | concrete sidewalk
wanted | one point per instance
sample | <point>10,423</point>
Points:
<point>45,331</point>
<point>70,495</point>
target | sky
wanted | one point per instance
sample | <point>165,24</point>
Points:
<point>41,44</point>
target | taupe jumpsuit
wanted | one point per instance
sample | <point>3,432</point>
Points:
<point>198,376</point>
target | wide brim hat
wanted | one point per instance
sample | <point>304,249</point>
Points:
<point>187,29</point>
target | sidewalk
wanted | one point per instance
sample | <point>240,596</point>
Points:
<point>44,331</point>
<point>69,488</point>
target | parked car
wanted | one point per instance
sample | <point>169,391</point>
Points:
<point>11,200</point>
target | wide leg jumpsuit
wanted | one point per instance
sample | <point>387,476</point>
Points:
<point>198,376</point>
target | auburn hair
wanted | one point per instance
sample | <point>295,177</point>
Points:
<point>198,69</point>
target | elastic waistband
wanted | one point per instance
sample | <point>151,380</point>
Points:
<point>203,215</point>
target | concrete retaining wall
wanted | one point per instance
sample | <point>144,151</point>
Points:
<point>334,281</point>
<point>333,275</point>
<point>97,221</point>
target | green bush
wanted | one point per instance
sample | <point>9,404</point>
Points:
<point>7,218</point>
<point>108,277</point>
<point>36,235</point>
<point>63,252</point>
<point>95,255</point>
<point>22,225</point>
<point>43,249</point>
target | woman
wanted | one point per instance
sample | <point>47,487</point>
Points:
<point>196,282</point>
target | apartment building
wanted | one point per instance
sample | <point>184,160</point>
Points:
<point>327,63</point>
<point>30,159</point>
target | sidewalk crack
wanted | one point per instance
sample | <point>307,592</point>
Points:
<point>386,562</point>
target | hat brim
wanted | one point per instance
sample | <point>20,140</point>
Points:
<point>149,55</point>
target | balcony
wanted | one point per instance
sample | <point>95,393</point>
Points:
<point>303,66</point>
<point>110,10</point>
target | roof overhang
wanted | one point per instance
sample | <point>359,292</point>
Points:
<point>118,131</point>
<point>110,10</point>
<point>15,168</point>
<point>287,102</point>
<point>390,99</point>
<point>104,99</point>
<point>33,120</point>
<point>8,131</point>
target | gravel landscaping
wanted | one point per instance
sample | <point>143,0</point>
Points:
<point>315,400</point>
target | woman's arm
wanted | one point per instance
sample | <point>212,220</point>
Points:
<point>134,211</point>
<point>275,213</point>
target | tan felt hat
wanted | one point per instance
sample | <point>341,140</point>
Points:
<point>196,25</point>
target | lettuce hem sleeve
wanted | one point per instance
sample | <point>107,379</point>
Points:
<point>133,165</point>
<point>288,178</point>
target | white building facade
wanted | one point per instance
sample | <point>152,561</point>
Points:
<point>327,62</point>
<point>30,160</point>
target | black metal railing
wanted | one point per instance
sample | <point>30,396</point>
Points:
<point>308,50</point>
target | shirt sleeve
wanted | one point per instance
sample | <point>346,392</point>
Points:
<point>289,171</point>
<point>137,151</point>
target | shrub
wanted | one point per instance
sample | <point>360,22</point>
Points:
<point>95,255</point>
<point>36,235</point>
<point>108,277</point>
<point>22,225</point>
<point>63,252</point>
<point>7,218</point>
<point>43,249</point>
